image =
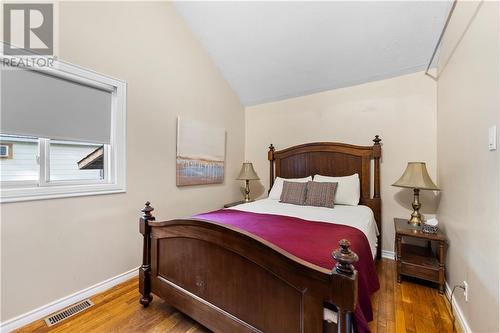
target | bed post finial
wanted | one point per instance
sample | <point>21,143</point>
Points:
<point>377,150</point>
<point>270,154</point>
<point>145,270</point>
<point>344,258</point>
<point>147,211</point>
<point>270,157</point>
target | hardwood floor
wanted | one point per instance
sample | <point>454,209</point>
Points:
<point>406,307</point>
<point>412,306</point>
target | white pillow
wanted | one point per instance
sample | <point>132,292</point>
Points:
<point>275,192</point>
<point>347,188</point>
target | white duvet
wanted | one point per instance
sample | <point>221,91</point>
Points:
<point>359,217</point>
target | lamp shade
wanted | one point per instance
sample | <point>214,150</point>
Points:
<point>247,172</point>
<point>416,176</point>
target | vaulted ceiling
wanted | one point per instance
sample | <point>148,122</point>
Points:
<point>269,51</point>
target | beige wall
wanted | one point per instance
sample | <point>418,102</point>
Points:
<point>401,110</point>
<point>469,103</point>
<point>53,248</point>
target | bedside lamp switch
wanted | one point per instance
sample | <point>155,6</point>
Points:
<point>492,138</point>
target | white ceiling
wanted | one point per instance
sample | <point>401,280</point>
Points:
<point>269,51</point>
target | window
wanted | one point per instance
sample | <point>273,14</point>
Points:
<point>5,150</point>
<point>24,167</point>
<point>62,133</point>
<point>76,161</point>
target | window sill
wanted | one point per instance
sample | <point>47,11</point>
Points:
<point>56,192</point>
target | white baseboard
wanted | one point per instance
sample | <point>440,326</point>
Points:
<point>388,254</point>
<point>64,302</point>
<point>458,311</point>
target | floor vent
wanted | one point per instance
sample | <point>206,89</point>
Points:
<point>68,312</point>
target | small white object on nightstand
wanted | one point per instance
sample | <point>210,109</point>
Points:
<point>432,222</point>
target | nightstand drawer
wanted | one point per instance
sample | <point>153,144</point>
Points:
<point>426,273</point>
<point>418,256</point>
<point>419,262</point>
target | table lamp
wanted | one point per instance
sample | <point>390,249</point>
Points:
<point>417,178</point>
<point>247,173</point>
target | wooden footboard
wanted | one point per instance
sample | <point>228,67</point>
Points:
<point>232,281</point>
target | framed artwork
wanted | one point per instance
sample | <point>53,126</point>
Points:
<point>201,153</point>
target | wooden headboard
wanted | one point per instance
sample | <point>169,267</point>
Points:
<point>333,159</point>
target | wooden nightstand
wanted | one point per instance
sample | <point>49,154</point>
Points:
<point>232,204</point>
<point>420,261</point>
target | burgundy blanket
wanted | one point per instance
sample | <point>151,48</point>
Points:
<point>313,242</point>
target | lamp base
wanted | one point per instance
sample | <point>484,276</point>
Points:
<point>247,191</point>
<point>416,217</point>
<point>415,221</point>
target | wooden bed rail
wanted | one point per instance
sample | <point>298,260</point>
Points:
<point>187,261</point>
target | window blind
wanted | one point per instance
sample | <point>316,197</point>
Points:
<point>38,104</point>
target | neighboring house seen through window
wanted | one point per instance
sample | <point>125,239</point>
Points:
<point>62,133</point>
<point>68,161</point>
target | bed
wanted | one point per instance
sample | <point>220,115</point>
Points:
<point>225,270</point>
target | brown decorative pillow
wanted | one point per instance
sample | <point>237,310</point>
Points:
<point>293,193</point>
<point>321,194</point>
